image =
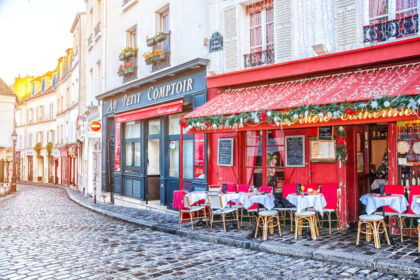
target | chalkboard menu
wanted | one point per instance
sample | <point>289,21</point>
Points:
<point>325,133</point>
<point>225,152</point>
<point>295,151</point>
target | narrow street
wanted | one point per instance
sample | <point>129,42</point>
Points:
<point>44,235</point>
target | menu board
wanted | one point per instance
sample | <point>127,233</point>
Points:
<point>225,152</point>
<point>322,150</point>
<point>325,133</point>
<point>295,151</point>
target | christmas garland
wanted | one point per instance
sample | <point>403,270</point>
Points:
<point>288,118</point>
<point>341,150</point>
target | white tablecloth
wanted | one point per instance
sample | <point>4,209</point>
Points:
<point>317,201</point>
<point>373,201</point>
<point>415,204</point>
<point>193,197</point>
<point>248,199</point>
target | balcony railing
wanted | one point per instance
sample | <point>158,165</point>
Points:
<point>90,40</point>
<point>397,28</point>
<point>259,58</point>
<point>97,30</point>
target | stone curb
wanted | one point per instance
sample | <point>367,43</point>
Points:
<point>378,264</point>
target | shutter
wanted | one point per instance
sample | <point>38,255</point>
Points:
<point>283,30</point>
<point>346,25</point>
<point>231,51</point>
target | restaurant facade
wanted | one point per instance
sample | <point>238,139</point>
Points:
<point>329,119</point>
<point>141,135</point>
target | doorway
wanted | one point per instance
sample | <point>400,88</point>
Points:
<point>30,168</point>
<point>153,162</point>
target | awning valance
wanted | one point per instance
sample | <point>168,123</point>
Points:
<point>149,112</point>
<point>348,86</point>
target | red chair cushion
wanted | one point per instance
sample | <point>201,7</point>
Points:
<point>414,190</point>
<point>178,202</point>
<point>244,188</point>
<point>393,189</point>
<point>230,187</point>
<point>288,189</point>
<point>330,193</point>
<point>266,189</point>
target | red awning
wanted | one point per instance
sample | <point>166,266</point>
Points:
<point>337,88</point>
<point>149,112</point>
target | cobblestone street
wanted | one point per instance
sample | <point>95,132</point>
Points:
<point>44,235</point>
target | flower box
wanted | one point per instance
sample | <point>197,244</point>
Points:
<point>149,61</point>
<point>161,37</point>
<point>121,57</point>
<point>159,57</point>
<point>150,42</point>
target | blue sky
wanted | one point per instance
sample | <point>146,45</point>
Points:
<point>34,34</point>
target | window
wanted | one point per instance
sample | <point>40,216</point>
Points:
<point>51,111</point>
<point>131,37</point>
<point>385,10</point>
<point>261,26</point>
<point>33,90</point>
<point>164,27</point>
<point>29,140</point>
<point>54,80</point>
<point>43,85</point>
<point>132,145</point>
<point>265,158</point>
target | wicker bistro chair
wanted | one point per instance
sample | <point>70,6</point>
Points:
<point>330,193</point>
<point>414,190</point>
<point>373,224</point>
<point>287,189</point>
<point>216,208</point>
<point>195,213</point>
<point>268,220</point>
<point>306,219</point>
<point>215,188</point>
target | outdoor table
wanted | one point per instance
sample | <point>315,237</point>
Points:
<point>398,202</point>
<point>317,201</point>
<point>248,199</point>
<point>197,196</point>
<point>415,204</point>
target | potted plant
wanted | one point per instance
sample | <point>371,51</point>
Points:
<point>158,55</point>
<point>38,148</point>
<point>148,56</point>
<point>121,71</point>
<point>49,148</point>
<point>161,36</point>
<point>150,41</point>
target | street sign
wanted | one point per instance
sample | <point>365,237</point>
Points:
<point>95,126</point>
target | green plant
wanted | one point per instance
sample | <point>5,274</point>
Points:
<point>38,148</point>
<point>49,148</point>
<point>341,149</point>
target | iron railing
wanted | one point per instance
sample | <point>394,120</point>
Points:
<point>259,58</point>
<point>397,28</point>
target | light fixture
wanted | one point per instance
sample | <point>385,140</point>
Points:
<point>320,49</point>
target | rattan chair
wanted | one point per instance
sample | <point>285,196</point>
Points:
<point>216,208</point>
<point>268,220</point>
<point>195,213</point>
<point>373,224</point>
<point>306,219</point>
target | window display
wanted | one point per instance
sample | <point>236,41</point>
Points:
<point>408,148</point>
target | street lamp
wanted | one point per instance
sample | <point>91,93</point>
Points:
<point>14,137</point>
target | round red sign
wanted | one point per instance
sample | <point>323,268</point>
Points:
<point>95,126</point>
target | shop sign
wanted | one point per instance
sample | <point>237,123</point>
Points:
<point>216,42</point>
<point>157,93</point>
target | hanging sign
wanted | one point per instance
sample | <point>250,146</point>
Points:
<point>295,151</point>
<point>225,152</point>
<point>216,42</point>
<point>325,133</point>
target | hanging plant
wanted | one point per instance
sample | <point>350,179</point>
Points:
<point>38,148</point>
<point>49,148</point>
<point>341,148</point>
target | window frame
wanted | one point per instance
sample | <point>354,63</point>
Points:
<point>132,168</point>
<point>264,35</point>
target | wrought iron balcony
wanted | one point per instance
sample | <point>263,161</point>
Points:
<point>97,30</point>
<point>259,58</point>
<point>397,28</point>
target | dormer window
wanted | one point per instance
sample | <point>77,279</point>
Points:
<point>43,85</point>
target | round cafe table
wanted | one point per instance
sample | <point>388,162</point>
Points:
<point>374,201</point>
<point>248,199</point>
<point>415,204</point>
<point>194,197</point>
<point>317,201</point>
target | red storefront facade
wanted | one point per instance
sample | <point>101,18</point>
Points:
<point>352,95</point>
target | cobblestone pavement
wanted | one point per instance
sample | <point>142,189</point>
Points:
<point>44,235</point>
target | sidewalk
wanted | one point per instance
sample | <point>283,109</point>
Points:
<point>401,258</point>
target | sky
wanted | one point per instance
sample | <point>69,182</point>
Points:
<point>34,34</point>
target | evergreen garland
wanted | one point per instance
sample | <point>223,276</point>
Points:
<point>341,149</point>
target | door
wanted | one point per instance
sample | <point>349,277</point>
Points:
<point>110,154</point>
<point>153,160</point>
<point>30,168</point>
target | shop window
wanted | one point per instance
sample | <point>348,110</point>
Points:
<point>174,158</point>
<point>132,145</point>
<point>188,159</point>
<point>154,127</point>
<point>265,158</point>
<point>174,126</point>
<point>408,148</point>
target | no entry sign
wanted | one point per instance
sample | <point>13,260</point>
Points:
<point>95,126</point>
